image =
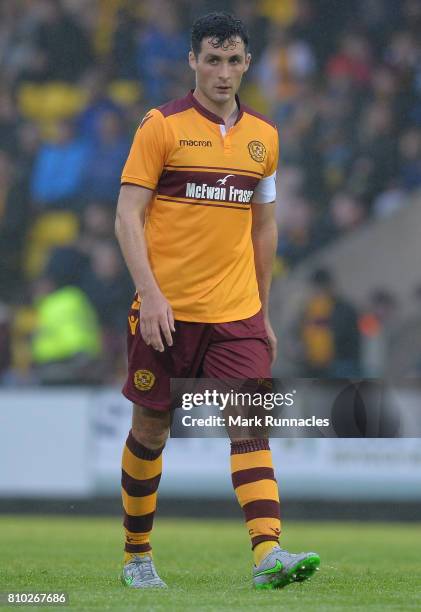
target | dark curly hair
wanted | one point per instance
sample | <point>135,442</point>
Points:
<point>221,28</point>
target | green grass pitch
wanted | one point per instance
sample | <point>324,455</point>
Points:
<point>207,565</point>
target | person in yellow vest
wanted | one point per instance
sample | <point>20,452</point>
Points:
<point>66,345</point>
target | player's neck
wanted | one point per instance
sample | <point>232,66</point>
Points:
<point>228,111</point>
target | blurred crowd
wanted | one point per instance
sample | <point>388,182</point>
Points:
<point>341,79</point>
<point>330,337</point>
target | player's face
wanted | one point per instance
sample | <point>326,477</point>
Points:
<point>219,70</point>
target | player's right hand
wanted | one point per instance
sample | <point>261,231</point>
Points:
<point>156,317</point>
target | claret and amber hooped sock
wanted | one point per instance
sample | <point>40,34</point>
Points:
<point>253,479</point>
<point>141,473</point>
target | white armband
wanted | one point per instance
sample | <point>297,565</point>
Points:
<point>265,190</point>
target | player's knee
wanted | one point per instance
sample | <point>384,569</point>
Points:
<point>151,436</point>
<point>149,427</point>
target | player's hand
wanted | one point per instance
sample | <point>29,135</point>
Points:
<point>273,342</point>
<point>156,317</point>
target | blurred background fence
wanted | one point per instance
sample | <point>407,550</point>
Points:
<point>60,451</point>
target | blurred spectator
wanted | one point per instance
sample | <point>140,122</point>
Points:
<point>66,345</point>
<point>70,264</point>
<point>18,52</point>
<point>124,46</point>
<point>94,264</point>
<point>104,166</point>
<point>404,354</point>
<point>345,213</point>
<point>410,158</point>
<point>296,234</point>
<point>67,264</point>
<point>59,169</point>
<point>326,333</point>
<point>110,289</point>
<point>98,103</point>
<point>389,201</point>
<point>8,122</point>
<point>352,62</point>
<point>385,87</point>
<point>402,53</point>
<point>108,286</point>
<point>14,219</point>
<point>284,62</point>
<point>57,32</point>
<point>380,18</point>
<point>97,224</point>
<point>377,147</point>
<point>255,22</point>
<point>302,28</point>
<point>161,51</point>
<point>27,143</point>
<point>377,323</point>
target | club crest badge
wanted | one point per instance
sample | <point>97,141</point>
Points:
<point>143,380</point>
<point>257,150</point>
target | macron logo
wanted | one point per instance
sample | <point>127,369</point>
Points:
<point>195,143</point>
<point>224,180</point>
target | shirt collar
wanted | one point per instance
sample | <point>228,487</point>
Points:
<point>208,114</point>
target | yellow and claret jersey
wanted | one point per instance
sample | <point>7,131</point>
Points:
<point>198,223</point>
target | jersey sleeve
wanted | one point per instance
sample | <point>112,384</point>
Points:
<point>273,154</point>
<point>147,154</point>
<point>265,190</point>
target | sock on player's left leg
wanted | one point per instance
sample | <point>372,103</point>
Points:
<point>260,551</point>
<point>141,473</point>
<point>256,489</point>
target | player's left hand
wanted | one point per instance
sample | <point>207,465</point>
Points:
<point>273,342</point>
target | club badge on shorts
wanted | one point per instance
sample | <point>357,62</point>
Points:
<point>143,380</point>
<point>133,321</point>
<point>257,150</point>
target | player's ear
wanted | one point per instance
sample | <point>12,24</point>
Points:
<point>192,61</point>
<point>247,62</point>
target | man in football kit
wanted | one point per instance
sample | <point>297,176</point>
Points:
<point>195,222</point>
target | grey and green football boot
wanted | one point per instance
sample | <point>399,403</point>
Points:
<point>280,567</point>
<point>140,573</point>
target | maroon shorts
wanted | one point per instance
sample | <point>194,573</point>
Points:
<point>239,349</point>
